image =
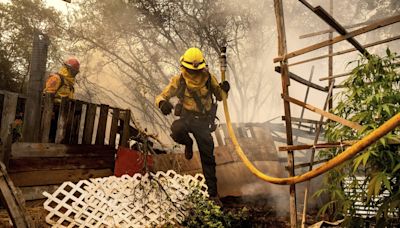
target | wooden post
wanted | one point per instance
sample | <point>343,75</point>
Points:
<point>282,51</point>
<point>46,117</point>
<point>62,120</point>
<point>12,200</point>
<point>70,121</point>
<point>114,126</point>
<point>76,123</point>
<point>306,96</point>
<point>89,123</point>
<point>125,130</point>
<point>31,128</point>
<point>101,129</point>
<point>8,117</point>
<point>330,59</point>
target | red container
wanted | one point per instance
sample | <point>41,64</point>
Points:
<point>130,161</point>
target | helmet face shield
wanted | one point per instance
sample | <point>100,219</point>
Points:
<point>193,59</point>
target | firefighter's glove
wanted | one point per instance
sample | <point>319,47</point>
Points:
<point>166,107</point>
<point>225,86</point>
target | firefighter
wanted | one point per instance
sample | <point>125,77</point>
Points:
<point>61,84</point>
<point>196,90</point>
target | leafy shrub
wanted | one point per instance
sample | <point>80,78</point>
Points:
<point>371,98</point>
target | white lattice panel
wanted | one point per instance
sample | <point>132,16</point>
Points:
<point>139,201</point>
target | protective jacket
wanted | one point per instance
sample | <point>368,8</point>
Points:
<point>61,84</point>
<point>196,82</point>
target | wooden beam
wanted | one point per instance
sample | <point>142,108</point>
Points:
<point>346,51</point>
<point>328,115</point>
<point>329,145</point>
<point>306,95</point>
<point>101,127</point>
<point>317,146</point>
<point>12,200</point>
<point>325,16</point>
<point>282,51</point>
<point>302,120</point>
<point>39,150</point>
<point>8,115</point>
<point>62,120</point>
<point>20,95</point>
<point>32,115</point>
<point>345,26</point>
<point>302,80</point>
<point>70,122</point>
<point>76,123</point>
<point>368,28</point>
<point>302,165</point>
<point>55,163</point>
<point>114,126</point>
<point>48,104</point>
<point>125,128</point>
<point>89,123</point>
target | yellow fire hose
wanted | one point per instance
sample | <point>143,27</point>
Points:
<point>339,159</point>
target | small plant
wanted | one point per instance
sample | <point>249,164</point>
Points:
<point>372,97</point>
<point>205,213</point>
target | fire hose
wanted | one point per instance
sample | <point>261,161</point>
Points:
<point>366,141</point>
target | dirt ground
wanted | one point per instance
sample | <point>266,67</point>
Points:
<point>260,214</point>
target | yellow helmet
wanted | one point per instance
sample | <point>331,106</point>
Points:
<point>193,59</point>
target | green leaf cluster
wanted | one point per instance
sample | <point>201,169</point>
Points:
<point>205,213</point>
<point>371,98</point>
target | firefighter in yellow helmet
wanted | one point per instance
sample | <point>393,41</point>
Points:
<point>62,83</point>
<point>197,91</point>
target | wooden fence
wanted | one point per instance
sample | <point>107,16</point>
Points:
<point>77,122</point>
<point>76,140</point>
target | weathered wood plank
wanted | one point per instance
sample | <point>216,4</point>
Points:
<point>114,126</point>
<point>101,129</point>
<point>282,51</point>
<point>346,26</point>
<point>69,122</point>
<point>325,16</point>
<point>368,28</point>
<point>48,104</point>
<point>302,165</point>
<point>12,200</point>
<point>31,127</point>
<point>58,150</point>
<point>8,116</point>
<point>125,128</point>
<point>302,80</point>
<point>50,177</point>
<point>298,120</point>
<point>6,151</point>
<point>89,124</point>
<point>62,120</point>
<point>345,51</point>
<point>328,115</point>
<point>56,163</point>
<point>76,123</point>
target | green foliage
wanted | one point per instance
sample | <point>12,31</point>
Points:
<point>205,213</point>
<point>372,97</point>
